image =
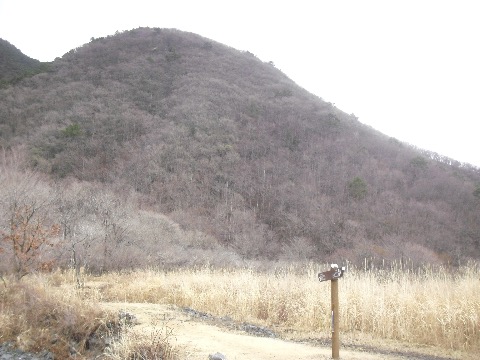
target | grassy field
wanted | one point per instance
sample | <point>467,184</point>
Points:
<point>429,308</point>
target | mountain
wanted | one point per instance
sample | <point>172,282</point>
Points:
<point>14,65</point>
<point>228,146</point>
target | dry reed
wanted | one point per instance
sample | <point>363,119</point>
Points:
<point>427,307</point>
<point>435,307</point>
<point>48,312</point>
<point>37,316</point>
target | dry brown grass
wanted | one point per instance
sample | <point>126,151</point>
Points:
<point>428,307</point>
<point>438,308</point>
<point>133,345</point>
<point>47,312</point>
<point>36,316</point>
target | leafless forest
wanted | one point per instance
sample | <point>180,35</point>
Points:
<point>160,147</point>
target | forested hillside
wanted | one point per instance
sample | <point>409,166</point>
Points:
<point>14,65</point>
<point>229,156</point>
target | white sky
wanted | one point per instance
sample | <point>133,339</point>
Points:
<point>410,69</point>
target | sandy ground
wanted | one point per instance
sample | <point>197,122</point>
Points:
<point>196,340</point>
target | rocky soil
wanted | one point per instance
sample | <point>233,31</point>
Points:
<point>7,352</point>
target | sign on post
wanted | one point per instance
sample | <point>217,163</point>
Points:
<point>333,275</point>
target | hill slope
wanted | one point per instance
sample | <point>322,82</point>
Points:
<point>14,65</point>
<point>228,145</point>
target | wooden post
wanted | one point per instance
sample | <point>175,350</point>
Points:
<point>335,321</point>
<point>333,275</point>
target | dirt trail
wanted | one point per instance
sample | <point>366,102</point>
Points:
<point>196,340</point>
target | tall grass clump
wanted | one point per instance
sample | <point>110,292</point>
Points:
<point>50,312</point>
<point>426,306</point>
<point>132,345</point>
<point>432,306</point>
<point>36,316</point>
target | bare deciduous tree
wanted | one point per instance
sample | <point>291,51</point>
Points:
<point>27,237</point>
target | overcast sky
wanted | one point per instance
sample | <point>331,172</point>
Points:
<point>410,69</point>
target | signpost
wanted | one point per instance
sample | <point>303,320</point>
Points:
<point>333,275</point>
